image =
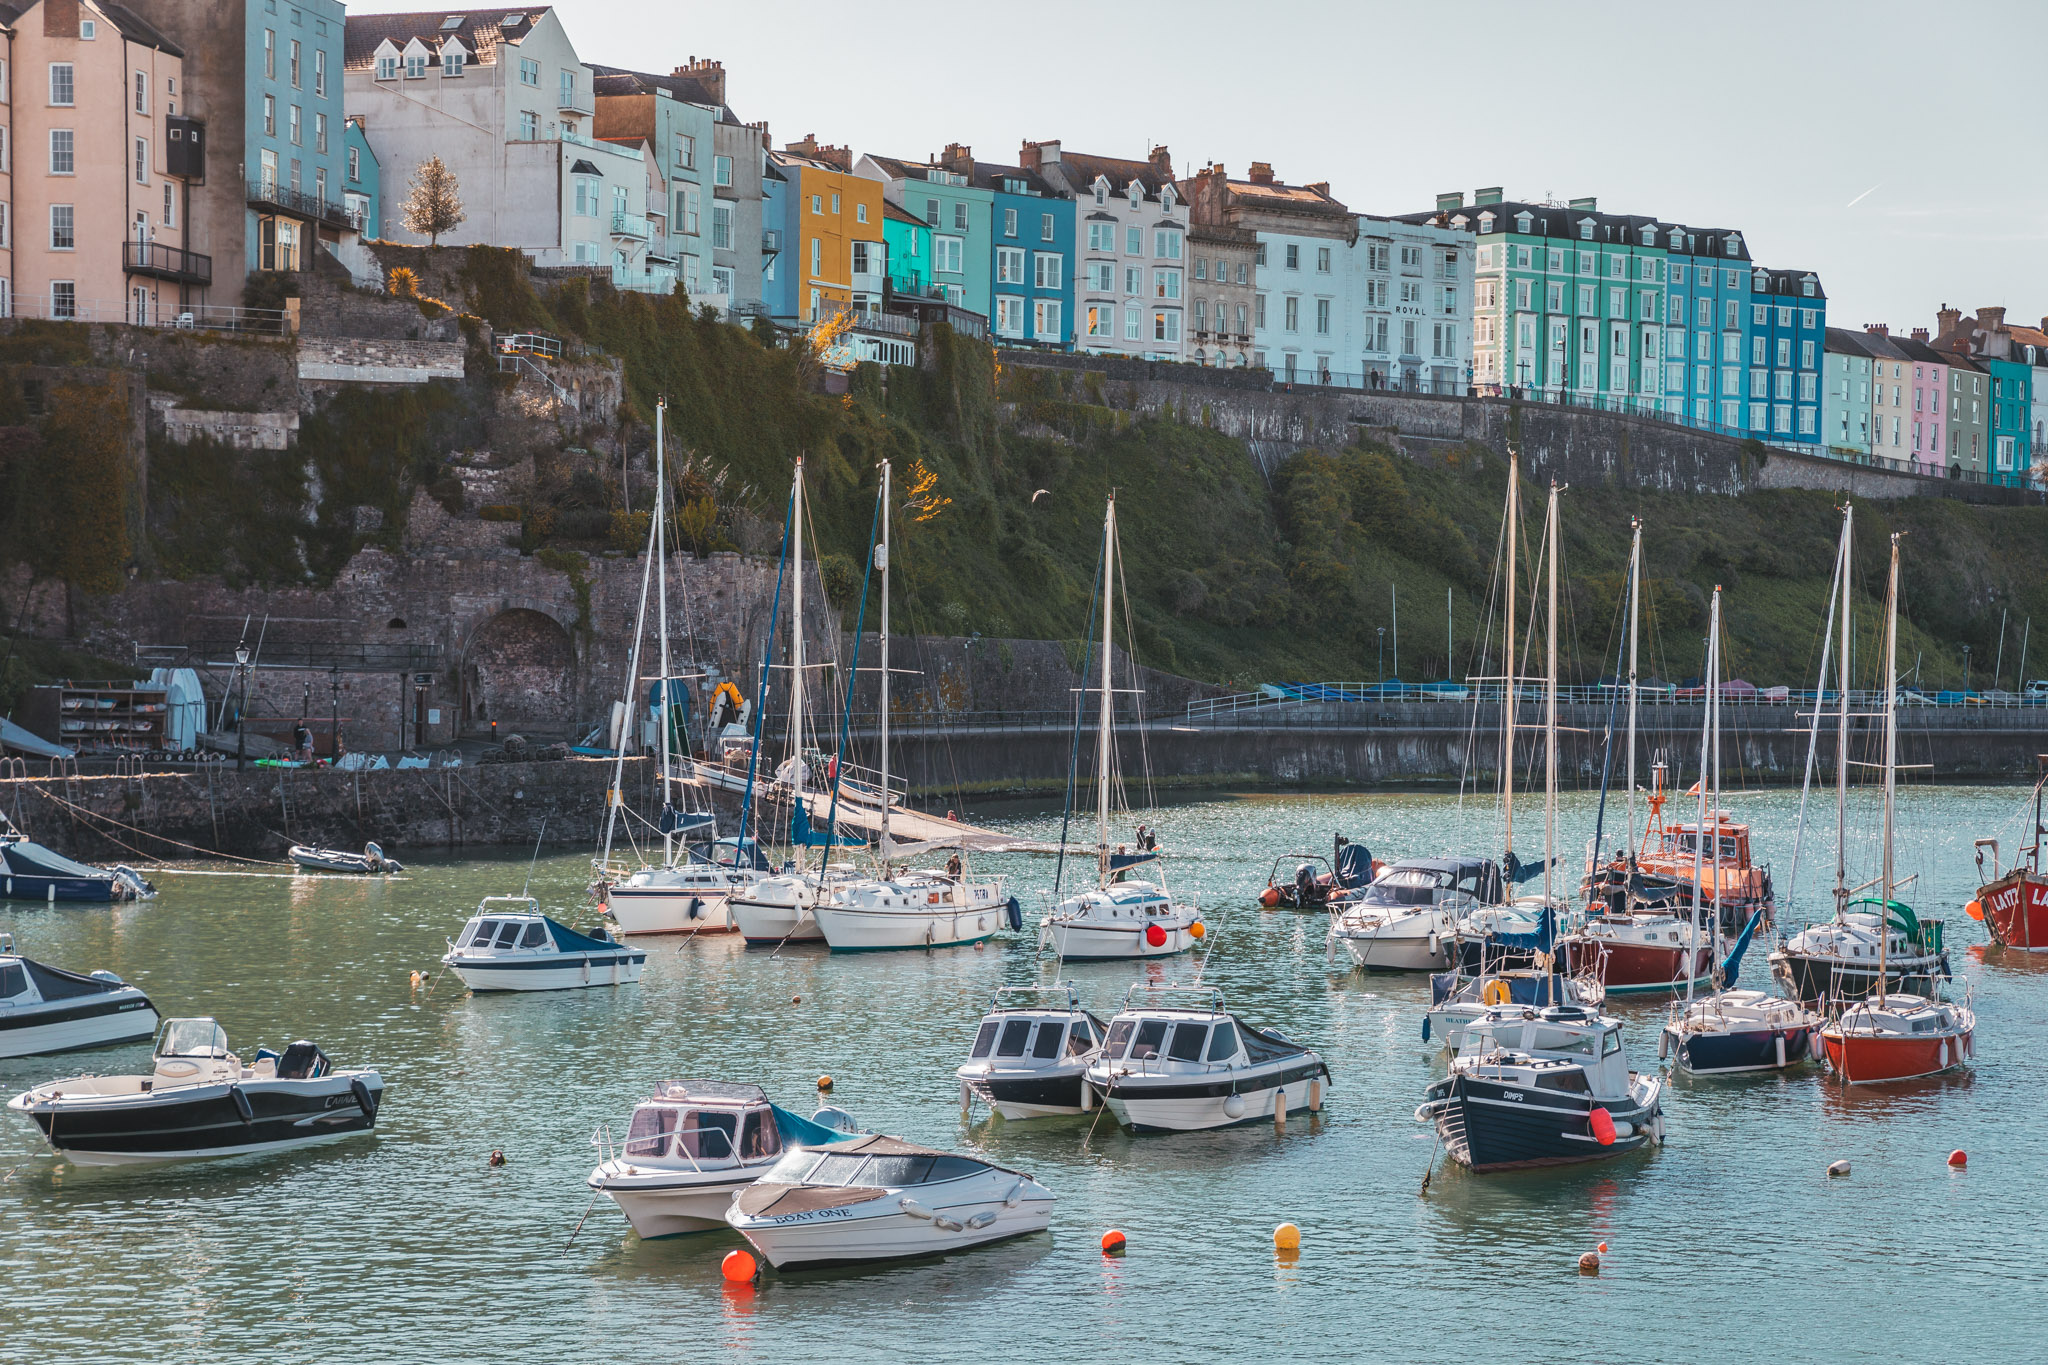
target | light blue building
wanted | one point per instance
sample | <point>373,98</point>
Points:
<point>1786,334</point>
<point>362,181</point>
<point>1033,262</point>
<point>294,133</point>
<point>778,265</point>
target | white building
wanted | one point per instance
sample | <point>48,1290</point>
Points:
<point>1411,292</point>
<point>1130,250</point>
<point>502,98</point>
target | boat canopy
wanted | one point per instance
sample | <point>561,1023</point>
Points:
<point>1354,866</point>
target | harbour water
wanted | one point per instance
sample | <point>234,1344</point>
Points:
<point>1730,1243</point>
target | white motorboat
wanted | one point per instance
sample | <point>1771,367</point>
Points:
<point>914,910</point>
<point>201,1100</point>
<point>780,908</point>
<point>370,861</point>
<point>1185,1063</point>
<point>691,1148</point>
<point>1031,1054</point>
<point>883,1199</point>
<point>1457,1000</point>
<point>1542,1088</point>
<point>1406,920</point>
<point>45,1009</point>
<point>509,945</point>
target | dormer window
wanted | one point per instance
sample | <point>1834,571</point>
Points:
<point>1137,193</point>
<point>1524,222</point>
<point>1485,223</point>
<point>1649,236</point>
<point>1585,229</point>
<point>415,60</point>
<point>1676,238</point>
<point>387,66</point>
<point>1760,282</point>
<point>1806,288</point>
<point>1166,197</point>
<point>452,57</point>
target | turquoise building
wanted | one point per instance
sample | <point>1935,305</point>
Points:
<point>1033,263</point>
<point>1786,333</point>
<point>907,242</point>
<point>1706,294</point>
<point>2010,435</point>
<point>362,181</point>
<point>959,213</point>
<point>294,133</point>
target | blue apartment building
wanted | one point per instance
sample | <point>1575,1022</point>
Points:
<point>1786,335</point>
<point>1706,299</point>
<point>1033,263</point>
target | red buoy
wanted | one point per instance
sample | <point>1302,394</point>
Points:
<point>738,1266</point>
<point>1602,1124</point>
<point>1270,897</point>
<point>1959,1158</point>
<point>1113,1243</point>
<point>1155,936</point>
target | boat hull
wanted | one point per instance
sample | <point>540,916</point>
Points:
<point>765,924</point>
<point>1113,943</point>
<point>1397,952</point>
<point>855,929</point>
<point>657,1209</point>
<point>17,886</point>
<point>205,1120</point>
<point>554,972</point>
<point>1170,1105</point>
<point>1740,1050</point>
<point>124,1016</point>
<point>1033,1096</point>
<point>658,910</point>
<point>1626,968</point>
<point>1809,978</point>
<point>1489,1126</point>
<point>2016,911</point>
<point>1862,1059</point>
<point>816,1241</point>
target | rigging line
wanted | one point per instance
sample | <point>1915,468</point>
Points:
<point>852,677</point>
<point>147,834</point>
<point>761,692</point>
<point>1137,691</point>
<point>1074,752</point>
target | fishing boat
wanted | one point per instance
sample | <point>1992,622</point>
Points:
<point>509,945</point>
<point>875,1198</point>
<point>2014,905</point>
<point>1031,1054</point>
<point>1179,1062</point>
<point>201,1100</point>
<point>1124,916</point>
<point>1407,919</point>
<point>691,1147</point>
<point>689,889</point>
<point>45,1009</point>
<point>1350,868</point>
<point>1887,1035</point>
<point>1546,1087</point>
<point>31,872</point>
<point>1888,947</point>
<point>1730,878</point>
<point>371,861</point>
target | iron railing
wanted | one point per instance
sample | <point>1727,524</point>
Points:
<point>166,262</point>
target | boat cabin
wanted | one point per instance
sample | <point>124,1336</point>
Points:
<point>1167,1035</point>
<point>1027,1032</point>
<point>1121,901</point>
<point>1434,881</point>
<point>703,1125</point>
<point>513,926</point>
<point>853,1171</point>
<point>1516,1035</point>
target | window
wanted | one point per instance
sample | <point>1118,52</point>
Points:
<point>1101,321</point>
<point>1133,320</point>
<point>1134,241</point>
<point>1617,303</point>
<point>60,83</point>
<point>270,115</point>
<point>1044,227</point>
<point>387,68</point>
<point>1585,298</point>
<point>63,299</point>
<point>1781,418</point>
<point>931,210</point>
<point>62,159</point>
<point>1009,265</point>
<point>817,207</point>
<point>817,256</point>
<point>1202,268</point>
<point>960,217</point>
<point>1045,319</point>
<point>1323,317</point>
<point>1293,256</point>
<point>269,55</point>
<point>1259,307</point>
<point>721,227</point>
<point>1292,313</point>
<point>529,72</point>
<point>1647,309</point>
<point>63,236</point>
<point>88,29</point>
<point>1048,270</point>
<point>568,95</point>
<point>1784,351</point>
<point>1101,237</point>
<point>692,206</point>
<point>1322,260</point>
<point>295,63</point>
<point>1101,277</point>
<point>266,173</point>
<point>529,131</point>
<point>1009,222</point>
<point>721,170</point>
<point>948,253</point>
<point>1134,280</point>
<point>142,161</point>
<point>170,210</point>
<point>320,133</point>
<point>1806,356</point>
<point>141,92</point>
<point>1807,384</point>
<point>1166,284</point>
<point>860,213</point>
<point>416,65</point>
<point>1166,244</point>
<point>1553,297</point>
<point>320,71</point>
<point>295,131</point>
<point>1166,326</point>
<point>1009,315</point>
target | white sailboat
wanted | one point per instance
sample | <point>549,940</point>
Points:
<point>1122,917</point>
<point>690,893</point>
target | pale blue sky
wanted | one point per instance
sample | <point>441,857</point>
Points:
<point>1767,117</point>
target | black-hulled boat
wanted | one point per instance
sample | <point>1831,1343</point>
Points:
<point>1839,959</point>
<point>1542,1088</point>
<point>46,1009</point>
<point>31,872</point>
<point>201,1100</point>
<point>1031,1054</point>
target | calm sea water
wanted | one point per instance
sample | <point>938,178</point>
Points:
<point>1728,1244</point>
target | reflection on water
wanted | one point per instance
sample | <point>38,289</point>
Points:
<point>410,1245</point>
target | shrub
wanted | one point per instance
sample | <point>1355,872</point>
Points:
<point>500,512</point>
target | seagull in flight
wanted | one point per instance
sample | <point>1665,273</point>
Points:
<point>1040,493</point>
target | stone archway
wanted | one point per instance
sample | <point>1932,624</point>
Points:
<point>519,670</point>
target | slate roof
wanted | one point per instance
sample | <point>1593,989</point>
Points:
<point>1842,341</point>
<point>618,80</point>
<point>892,209</point>
<point>136,29</point>
<point>988,175</point>
<point>1082,170</point>
<point>482,32</point>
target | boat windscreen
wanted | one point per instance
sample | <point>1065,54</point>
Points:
<point>1047,1044</point>
<point>1080,1038</point>
<point>653,1124</point>
<point>192,1038</point>
<point>486,930</point>
<point>1151,1033</point>
<point>1187,1042</point>
<point>508,935</point>
<point>711,1136</point>
<point>793,1167</point>
<point>1119,1035</point>
<point>894,1172</point>
<point>1014,1034</point>
<point>985,1039</point>
<point>837,1169</point>
<point>1223,1045</point>
<point>954,1168</point>
<point>535,935</point>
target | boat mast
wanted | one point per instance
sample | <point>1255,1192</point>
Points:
<point>1509,697</point>
<point>1102,728</point>
<point>1635,580</point>
<point>882,563</point>
<point>1891,758</point>
<point>1710,760</point>
<point>796,653</point>
<point>1842,734</point>
<point>615,798</point>
<point>1550,698</point>
<point>668,852</point>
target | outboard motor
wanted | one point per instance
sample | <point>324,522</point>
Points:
<point>373,857</point>
<point>1304,885</point>
<point>301,1062</point>
<point>129,884</point>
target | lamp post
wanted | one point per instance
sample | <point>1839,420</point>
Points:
<point>1966,669</point>
<point>334,725</point>
<point>242,710</point>
<point>1383,654</point>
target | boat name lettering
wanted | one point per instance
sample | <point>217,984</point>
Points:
<point>807,1217</point>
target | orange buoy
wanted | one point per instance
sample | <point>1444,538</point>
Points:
<point>1959,1158</point>
<point>796,1000</point>
<point>1113,1243</point>
<point>738,1266</point>
<point>824,1082</point>
<point>1602,1124</point>
<point>1975,910</point>
<point>1198,930</point>
<point>1603,1248</point>
<point>1589,1263</point>
<point>1155,936</point>
<point>1287,1237</point>
<point>1270,897</point>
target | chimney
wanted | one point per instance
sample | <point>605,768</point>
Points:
<point>958,159</point>
<point>1261,173</point>
<point>1483,197</point>
<point>60,18</point>
<point>1036,156</point>
<point>1920,335</point>
<point>707,73</point>
<point>1162,162</point>
<point>1991,319</point>
<point>1879,329</point>
<point>1321,187</point>
<point>1946,320</point>
<point>807,147</point>
<point>1450,201</point>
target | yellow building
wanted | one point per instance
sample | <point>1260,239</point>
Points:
<point>835,230</point>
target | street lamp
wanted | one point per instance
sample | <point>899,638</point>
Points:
<point>1966,669</point>
<point>334,725</point>
<point>242,710</point>
<point>1383,654</point>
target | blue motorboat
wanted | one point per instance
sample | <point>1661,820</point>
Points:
<point>31,872</point>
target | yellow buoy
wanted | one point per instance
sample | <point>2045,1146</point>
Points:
<point>824,1082</point>
<point>1287,1237</point>
<point>1496,993</point>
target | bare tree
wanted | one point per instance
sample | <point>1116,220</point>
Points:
<point>435,204</point>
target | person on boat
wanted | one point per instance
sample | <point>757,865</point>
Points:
<point>953,867</point>
<point>302,740</point>
<point>1148,840</point>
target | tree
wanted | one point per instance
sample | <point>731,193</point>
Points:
<point>435,204</point>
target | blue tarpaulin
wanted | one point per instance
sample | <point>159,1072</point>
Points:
<point>1354,866</point>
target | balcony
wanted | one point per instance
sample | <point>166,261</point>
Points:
<point>651,279</point>
<point>575,102</point>
<point>166,263</point>
<point>631,225</point>
<point>267,197</point>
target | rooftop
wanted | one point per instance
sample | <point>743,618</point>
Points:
<point>482,32</point>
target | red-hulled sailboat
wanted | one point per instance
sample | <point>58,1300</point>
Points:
<point>2014,907</point>
<point>1888,1037</point>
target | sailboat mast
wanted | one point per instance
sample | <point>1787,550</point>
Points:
<point>1550,697</point>
<point>1891,758</point>
<point>1709,750</point>
<point>1102,729</point>
<point>882,563</point>
<point>668,852</point>
<point>1842,730</point>
<point>796,647</point>
<point>1510,697</point>
<point>1635,581</point>
<point>615,798</point>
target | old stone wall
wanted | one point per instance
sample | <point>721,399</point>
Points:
<point>941,676</point>
<point>369,361</point>
<point>331,306</point>
<point>242,430</point>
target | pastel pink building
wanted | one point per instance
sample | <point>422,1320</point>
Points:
<point>1930,409</point>
<point>93,223</point>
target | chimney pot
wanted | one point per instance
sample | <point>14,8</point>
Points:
<point>1920,335</point>
<point>1261,173</point>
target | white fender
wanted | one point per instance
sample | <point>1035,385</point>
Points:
<point>1780,1040</point>
<point>913,1209</point>
<point>1944,1053</point>
<point>1234,1106</point>
<point>944,1224</point>
<point>982,1219</point>
<point>1663,1045</point>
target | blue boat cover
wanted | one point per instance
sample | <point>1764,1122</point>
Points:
<point>1538,942</point>
<point>1517,871</point>
<point>1733,966</point>
<point>569,941</point>
<point>27,858</point>
<point>798,1131</point>
<point>1354,866</point>
<point>802,832</point>
<point>1120,861</point>
<point>673,821</point>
